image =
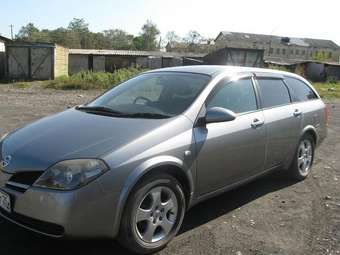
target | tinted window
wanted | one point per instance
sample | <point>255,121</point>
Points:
<point>299,90</point>
<point>273,92</point>
<point>238,96</point>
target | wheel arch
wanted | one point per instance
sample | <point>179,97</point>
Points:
<point>311,130</point>
<point>162,164</point>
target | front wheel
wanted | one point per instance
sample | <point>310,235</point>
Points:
<point>303,161</point>
<point>153,214</point>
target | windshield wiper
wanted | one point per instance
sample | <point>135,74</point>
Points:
<point>99,109</point>
<point>147,115</point>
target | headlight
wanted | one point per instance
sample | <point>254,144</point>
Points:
<point>3,137</point>
<point>71,174</point>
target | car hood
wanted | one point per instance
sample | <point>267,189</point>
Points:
<point>71,134</point>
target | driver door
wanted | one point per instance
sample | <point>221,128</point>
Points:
<point>228,152</point>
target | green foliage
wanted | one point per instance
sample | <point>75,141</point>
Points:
<point>332,80</point>
<point>280,68</point>
<point>149,35</point>
<point>78,36</point>
<point>92,80</point>
<point>320,56</point>
<point>328,90</point>
<point>22,85</point>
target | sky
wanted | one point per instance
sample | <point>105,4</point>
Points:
<point>293,18</point>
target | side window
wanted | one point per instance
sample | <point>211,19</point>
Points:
<point>273,92</point>
<point>299,90</point>
<point>238,96</point>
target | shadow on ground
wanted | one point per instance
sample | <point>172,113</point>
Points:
<point>14,240</point>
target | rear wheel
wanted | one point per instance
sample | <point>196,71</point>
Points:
<point>153,214</point>
<point>303,161</point>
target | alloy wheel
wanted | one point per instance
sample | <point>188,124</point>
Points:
<point>305,156</point>
<point>156,214</point>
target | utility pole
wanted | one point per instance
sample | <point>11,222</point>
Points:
<point>11,26</point>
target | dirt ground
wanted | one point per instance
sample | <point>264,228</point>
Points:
<point>272,215</point>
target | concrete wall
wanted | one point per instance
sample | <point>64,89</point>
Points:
<point>2,59</point>
<point>60,61</point>
<point>279,50</point>
<point>2,46</point>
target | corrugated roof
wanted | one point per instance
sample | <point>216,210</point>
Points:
<point>304,42</point>
<point>295,62</point>
<point>5,39</point>
<point>132,53</point>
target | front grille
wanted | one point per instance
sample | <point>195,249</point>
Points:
<point>26,178</point>
<point>23,180</point>
<point>43,227</point>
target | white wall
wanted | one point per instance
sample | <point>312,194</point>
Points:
<point>2,46</point>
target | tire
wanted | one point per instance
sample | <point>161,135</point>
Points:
<point>303,159</point>
<point>153,214</point>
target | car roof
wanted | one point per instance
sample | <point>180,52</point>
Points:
<point>214,70</point>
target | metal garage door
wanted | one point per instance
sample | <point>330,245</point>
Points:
<point>30,63</point>
<point>41,63</point>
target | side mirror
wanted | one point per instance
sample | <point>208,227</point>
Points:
<point>218,114</point>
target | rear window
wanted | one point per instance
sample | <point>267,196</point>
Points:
<point>273,92</point>
<point>299,90</point>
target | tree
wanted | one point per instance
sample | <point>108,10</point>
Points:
<point>78,25</point>
<point>171,37</point>
<point>193,37</point>
<point>138,43</point>
<point>149,35</point>
<point>27,32</point>
<point>118,39</point>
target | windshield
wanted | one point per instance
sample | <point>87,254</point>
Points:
<point>164,94</point>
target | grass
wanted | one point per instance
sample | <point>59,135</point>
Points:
<point>92,80</point>
<point>22,85</point>
<point>328,90</point>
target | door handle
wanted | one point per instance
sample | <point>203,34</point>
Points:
<point>297,113</point>
<point>257,123</point>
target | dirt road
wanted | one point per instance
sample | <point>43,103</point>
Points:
<point>272,215</point>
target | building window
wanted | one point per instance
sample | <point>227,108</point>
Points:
<point>303,52</point>
<point>271,50</point>
<point>278,51</point>
<point>283,51</point>
<point>297,52</point>
<point>291,52</point>
<point>329,54</point>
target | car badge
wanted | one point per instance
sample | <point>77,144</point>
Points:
<point>7,160</point>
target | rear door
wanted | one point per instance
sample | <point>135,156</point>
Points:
<point>283,123</point>
<point>228,152</point>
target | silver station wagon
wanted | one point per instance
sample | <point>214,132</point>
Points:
<point>129,164</point>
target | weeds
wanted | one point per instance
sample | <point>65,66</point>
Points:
<point>91,80</point>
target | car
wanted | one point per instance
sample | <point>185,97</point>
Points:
<point>130,163</point>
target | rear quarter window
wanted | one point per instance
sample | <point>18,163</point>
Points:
<point>299,90</point>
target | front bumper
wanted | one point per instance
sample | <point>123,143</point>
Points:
<point>84,213</point>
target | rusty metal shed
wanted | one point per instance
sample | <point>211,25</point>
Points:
<point>35,61</point>
<point>236,57</point>
<point>110,60</point>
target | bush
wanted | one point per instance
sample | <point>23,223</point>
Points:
<point>86,80</point>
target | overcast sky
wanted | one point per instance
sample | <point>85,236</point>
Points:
<point>299,18</point>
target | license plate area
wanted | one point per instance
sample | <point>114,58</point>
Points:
<point>5,202</point>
